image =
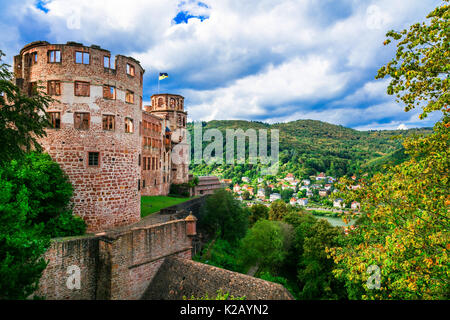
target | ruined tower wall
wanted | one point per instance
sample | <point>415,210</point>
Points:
<point>105,192</point>
<point>112,266</point>
<point>171,108</point>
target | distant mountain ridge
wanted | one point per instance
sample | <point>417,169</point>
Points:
<point>308,147</point>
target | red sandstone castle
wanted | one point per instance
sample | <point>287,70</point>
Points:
<point>111,146</point>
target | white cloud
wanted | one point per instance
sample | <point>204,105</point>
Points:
<point>402,126</point>
<point>264,59</point>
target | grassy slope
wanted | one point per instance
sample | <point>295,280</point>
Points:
<point>152,204</point>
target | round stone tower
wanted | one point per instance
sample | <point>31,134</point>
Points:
<point>96,117</point>
<point>171,108</point>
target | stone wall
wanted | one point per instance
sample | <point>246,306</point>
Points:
<point>181,277</point>
<point>207,185</point>
<point>113,265</point>
<point>184,208</point>
<point>106,193</point>
<point>82,252</point>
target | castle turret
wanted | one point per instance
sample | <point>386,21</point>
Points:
<point>96,117</point>
<point>171,108</point>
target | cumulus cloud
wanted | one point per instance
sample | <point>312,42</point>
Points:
<point>232,59</point>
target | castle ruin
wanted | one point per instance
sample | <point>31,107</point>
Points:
<point>112,147</point>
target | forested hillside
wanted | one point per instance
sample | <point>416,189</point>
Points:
<point>308,147</point>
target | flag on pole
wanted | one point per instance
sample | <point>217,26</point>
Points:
<point>163,76</point>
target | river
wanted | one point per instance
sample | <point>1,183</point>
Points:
<point>336,222</point>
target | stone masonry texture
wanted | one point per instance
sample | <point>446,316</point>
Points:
<point>107,191</point>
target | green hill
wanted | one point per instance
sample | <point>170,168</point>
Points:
<point>308,147</point>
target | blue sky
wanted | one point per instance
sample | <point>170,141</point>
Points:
<point>272,61</point>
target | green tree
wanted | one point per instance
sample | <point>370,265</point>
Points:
<point>405,222</point>
<point>257,212</point>
<point>420,70</point>
<point>405,227</point>
<point>316,266</point>
<point>266,244</point>
<point>225,216</point>
<point>278,209</point>
<point>22,243</point>
<point>286,194</point>
<point>48,193</point>
<point>22,118</point>
<point>245,195</point>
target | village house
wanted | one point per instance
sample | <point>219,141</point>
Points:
<point>236,188</point>
<point>355,205</point>
<point>246,179</point>
<point>339,203</point>
<point>226,182</point>
<point>293,201</point>
<point>306,182</point>
<point>309,193</point>
<point>275,196</point>
<point>323,193</point>
<point>302,201</point>
<point>327,187</point>
<point>289,177</point>
<point>321,176</point>
<point>261,193</point>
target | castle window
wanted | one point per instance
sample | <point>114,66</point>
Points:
<point>141,78</point>
<point>81,120</point>
<point>129,96</point>
<point>55,119</point>
<point>139,184</point>
<point>107,62</point>
<point>143,183</point>
<point>82,88</point>
<point>93,159</point>
<point>54,88</point>
<point>54,56</point>
<point>81,57</point>
<point>129,125</point>
<point>130,70</point>
<point>31,59</point>
<point>109,122</point>
<point>109,92</point>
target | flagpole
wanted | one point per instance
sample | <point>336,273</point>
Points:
<point>158,83</point>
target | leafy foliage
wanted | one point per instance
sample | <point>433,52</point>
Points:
<point>34,196</point>
<point>22,244</point>
<point>258,212</point>
<point>405,230</point>
<point>220,296</point>
<point>266,244</point>
<point>48,193</point>
<point>420,70</point>
<point>22,118</point>
<point>225,216</point>
<point>308,147</point>
<point>405,226</point>
<point>222,254</point>
<point>278,209</point>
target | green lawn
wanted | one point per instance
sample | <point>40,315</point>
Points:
<point>152,204</point>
